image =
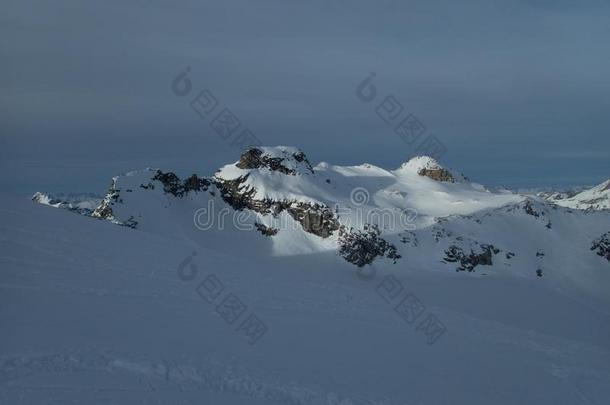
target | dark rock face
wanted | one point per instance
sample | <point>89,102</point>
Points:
<point>538,210</point>
<point>530,210</point>
<point>317,219</point>
<point>104,210</point>
<point>266,230</point>
<point>174,186</point>
<point>468,261</point>
<point>255,159</point>
<point>601,246</point>
<point>171,182</point>
<point>439,174</point>
<point>314,218</point>
<point>195,183</point>
<point>362,247</point>
<point>235,193</point>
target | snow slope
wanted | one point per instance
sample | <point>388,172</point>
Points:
<point>94,313</point>
<point>596,198</point>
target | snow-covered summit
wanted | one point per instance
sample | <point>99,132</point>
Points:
<point>285,160</point>
<point>429,167</point>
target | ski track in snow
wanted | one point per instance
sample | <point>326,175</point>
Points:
<point>161,376</point>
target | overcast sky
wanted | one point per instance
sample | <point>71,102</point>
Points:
<point>518,91</point>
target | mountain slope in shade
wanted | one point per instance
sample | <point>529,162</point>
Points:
<point>101,314</point>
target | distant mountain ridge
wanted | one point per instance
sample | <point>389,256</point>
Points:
<point>419,215</point>
<point>82,203</point>
<point>596,198</point>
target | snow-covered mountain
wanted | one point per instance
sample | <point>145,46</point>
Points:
<point>596,198</point>
<point>272,201</point>
<point>278,282</point>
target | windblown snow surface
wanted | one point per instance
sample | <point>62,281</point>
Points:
<point>95,313</point>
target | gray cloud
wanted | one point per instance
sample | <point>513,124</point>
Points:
<point>518,91</point>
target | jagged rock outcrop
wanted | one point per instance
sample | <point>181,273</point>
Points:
<point>171,183</point>
<point>256,158</point>
<point>104,210</point>
<point>238,195</point>
<point>601,246</point>
<point>530,210</point>
<point>438,174</point>
<point>178,188</point>
<point>468,261</point>
<point>361,247</point>
<point>428,167</point>
<point>537,209</point>
<point>541,212</point>
<point>315,218</point>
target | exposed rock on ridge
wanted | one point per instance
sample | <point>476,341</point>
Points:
<point>361,247</point>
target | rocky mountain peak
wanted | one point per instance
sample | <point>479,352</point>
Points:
<point>428,167</point>
<point>283,159</point>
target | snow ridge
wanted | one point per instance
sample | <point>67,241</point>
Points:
<point>422,211</point>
